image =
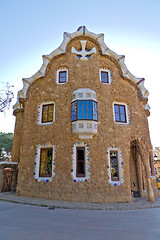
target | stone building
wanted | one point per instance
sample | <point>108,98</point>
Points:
<point>81,131</point>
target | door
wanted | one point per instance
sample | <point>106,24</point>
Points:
<point>7,180</point>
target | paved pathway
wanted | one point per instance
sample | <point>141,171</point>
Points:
<point>138,203</point>
<point>24,222</point>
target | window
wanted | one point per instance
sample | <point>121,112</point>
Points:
<point>80,168</point>
<point>62,76</point>
<point>47,113</point>
<point>104,77</point>
<point>84,113</point>
<point>80,158</point>
<point>84,110</point>
<point>120,113</point>
<point>45,168</point>
<point>114,166</point>
<point>44,165</point>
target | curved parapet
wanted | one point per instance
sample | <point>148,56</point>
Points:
<point>67,37</point>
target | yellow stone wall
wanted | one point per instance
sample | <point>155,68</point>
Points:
<point>82,74</point>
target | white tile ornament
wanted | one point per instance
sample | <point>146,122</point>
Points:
<point>37,163</point>
<point>99,38</point>
<point>83,53</point>
<point>120,167</point>
<point>87,163</point>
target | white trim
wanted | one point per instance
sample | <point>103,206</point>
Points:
<point>8,163</point>
<point>40,113</point>
<point>61,69</point>
<point>99,38</point>
<point>127,113</point>
<point>37,163</point>
<point>84,129</point>
<point>109,74</point>
<point>84,94</point>
<point>120,166</point>
<point>87,163</point>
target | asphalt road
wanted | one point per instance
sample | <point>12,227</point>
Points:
<point>23,222</point>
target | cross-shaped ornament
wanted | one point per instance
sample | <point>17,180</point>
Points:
<point>83,53</point>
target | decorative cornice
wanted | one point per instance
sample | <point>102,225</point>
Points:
<point>67,37</point>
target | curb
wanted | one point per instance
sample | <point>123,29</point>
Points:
<point>51,205</point>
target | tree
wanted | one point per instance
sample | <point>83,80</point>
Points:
<point>6,142</point>
<point>6,96</point>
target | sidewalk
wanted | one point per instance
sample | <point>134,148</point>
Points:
<point>138,203</point>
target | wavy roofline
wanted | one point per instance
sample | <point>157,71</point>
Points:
<point>67,37</point>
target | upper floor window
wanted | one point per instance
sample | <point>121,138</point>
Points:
<point>105,75</point>
<point>61,75</point>
<point>47,113</point>
<point>84,113</point>
<point>120,113</point>
<point>84,110</point>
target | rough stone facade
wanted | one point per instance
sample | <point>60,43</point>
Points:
<point>43,88</point>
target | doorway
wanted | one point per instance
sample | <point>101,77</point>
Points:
<point>7,180</point>
<point>134,181</point>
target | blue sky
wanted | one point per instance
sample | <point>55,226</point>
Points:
<point>32,28</point>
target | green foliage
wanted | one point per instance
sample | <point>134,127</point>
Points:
<point>6,142</point>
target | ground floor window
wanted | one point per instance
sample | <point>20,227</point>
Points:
<point>80,170</point>
<point>115,166</point>
<point>44,163</point>
<point>45,168</point>
<point>80,162</point>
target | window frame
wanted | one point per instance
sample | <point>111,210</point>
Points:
<point>104,78</point>
<point>37,163</point>
<point>126,113</point>
<point>40,113</point>
<point>45,175</point>
<point>114,178</point>
<point>48,121</point>
<point>75,109</point>
<point>61,70</point>
<point>59,78</point>
<point>74,176</point>
<point>77,161</point>
<point>109,75</point>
